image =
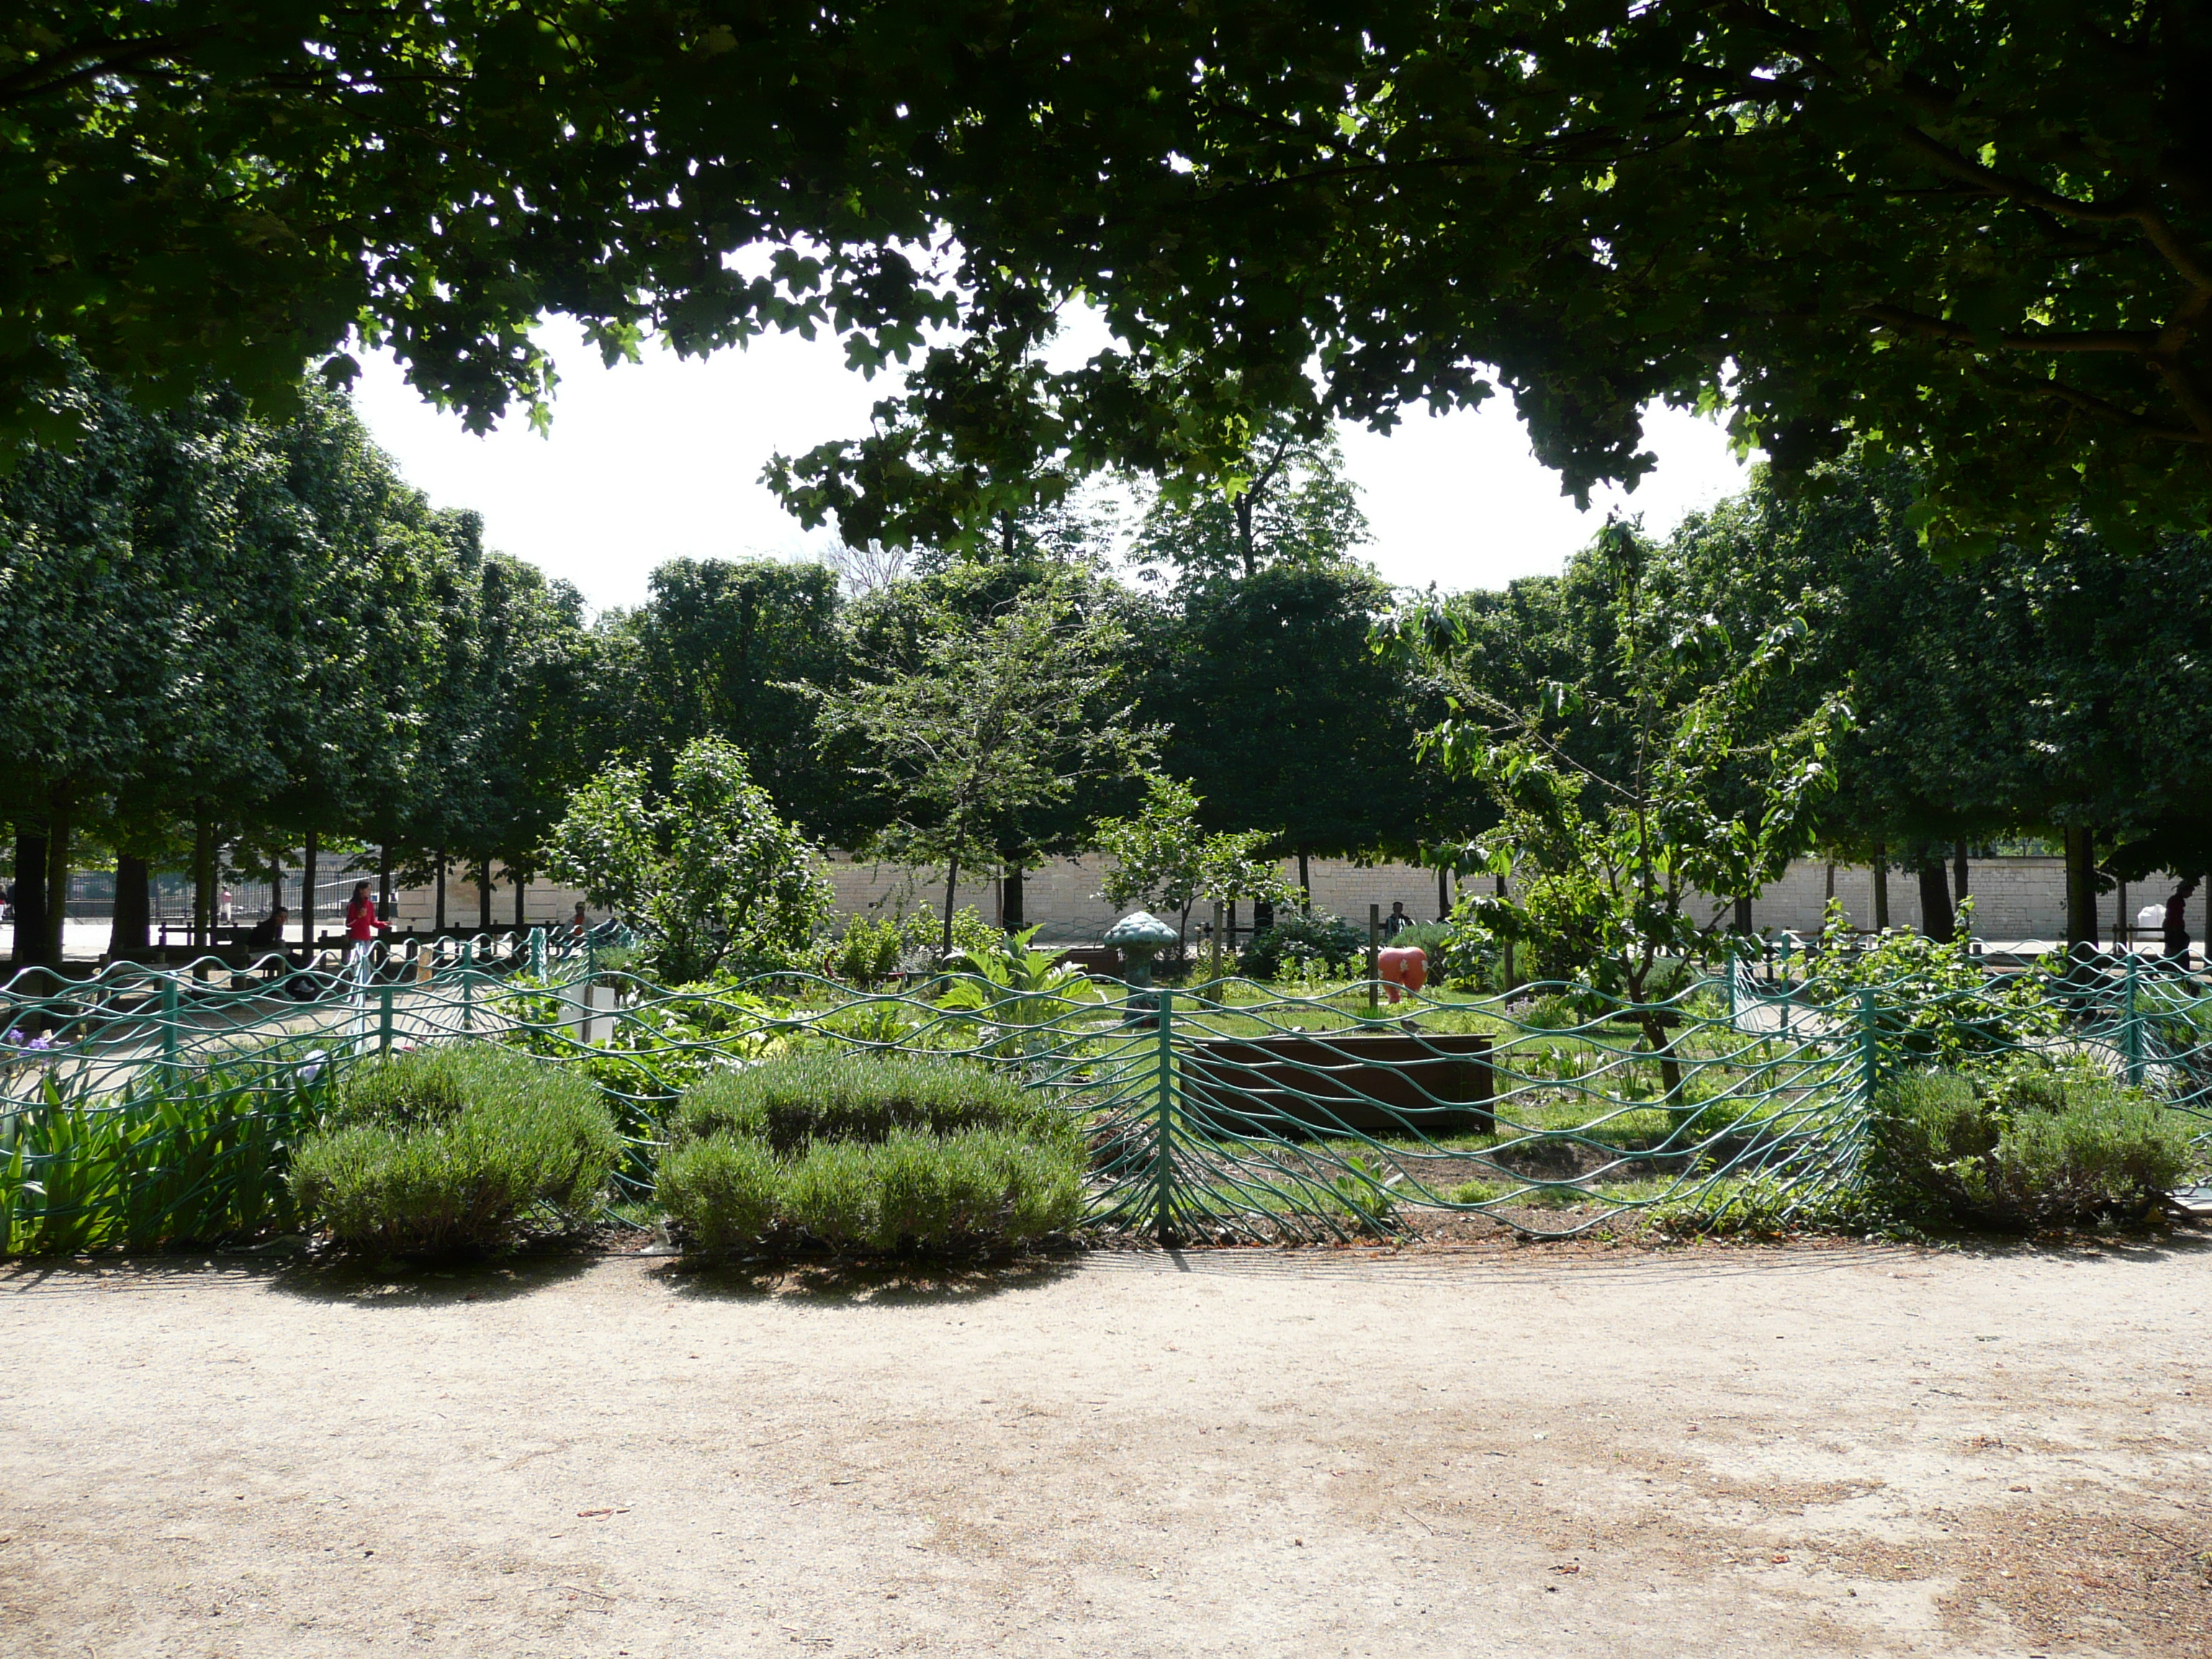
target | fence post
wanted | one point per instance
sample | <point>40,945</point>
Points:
<point>468,985</point>
<point>2132,1029</point>
<point>1163,1117</point>
<point>169,1019</point>
<point>1869,1044</point>
<point>537,953</point>
<point>383,992</point>
<point>1730,969</point>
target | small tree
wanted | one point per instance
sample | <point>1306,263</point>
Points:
<point>1163,859</point>
<point>1608,860</point>
<point>710,872</point>
<point>992,719</point>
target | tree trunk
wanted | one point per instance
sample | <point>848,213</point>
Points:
<point>440,925</point>
<point>60,803</point>
<point>30,899</point>
<point>521,888</point>
<point>1958,872</point>
<point>952,886</point>
<point>203,907</point>
<point>1743,923</point>
<point>1444,894</point>
<point>2081,888</point>
<point>129,931</point>
<point>483,896</point>
<point>1305,882</point>
<point>385,905</point>
<point>1009,900</point>
<point>1937,920</point>
<point>1880,889</point>
<point>307,892</point>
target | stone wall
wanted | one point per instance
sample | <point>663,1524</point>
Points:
<point>2014,898</point>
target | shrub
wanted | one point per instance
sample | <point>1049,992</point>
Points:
<point>455,1149</point>
<point>2026,1145</point>
<point>922,933</point>
<point>825,1095</point>
<point>869,953</point>
<point>1299,940</point>
<point>872,1151</point>
<point>1932,1001</point>
<point>724,1191</point>
<point>912,1191</point>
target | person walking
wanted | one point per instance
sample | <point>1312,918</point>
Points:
<point>1397,921</point>
<point>2176,929</point>
<point>363,925</point>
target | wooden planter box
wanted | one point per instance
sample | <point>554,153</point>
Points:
<point>1377,1083</point>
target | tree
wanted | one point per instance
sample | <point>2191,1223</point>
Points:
<point>990,721</point>
<point>1276,705</point>
<point>1163,858</point>
<point>707,871</point>
<point>2045,690</point>
<point>1607,863</point>
<point>1976,235</point>
<point>1291,504</point>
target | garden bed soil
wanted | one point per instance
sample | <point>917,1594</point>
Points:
<point>1555,1450</point>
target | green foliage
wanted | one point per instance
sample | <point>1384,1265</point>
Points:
<point>1012,986</point>
<point>911,1191</point>
<point>1931,1000</point>
<point>873,1152</point>
<point>725,1190</point>
<point>455,1149</point>
<point>1298,941</point>
<point>1625,794</point>
<point>708,873</point>
<point>2026,1145</point>
<point>182,1153</point>
<point>1161,857</point>
<point>867,953</point>
<point>922,932</point>
<point>824,1095</point>
<point>977,728</point>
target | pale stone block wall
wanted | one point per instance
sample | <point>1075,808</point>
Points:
<point>2014,898</point>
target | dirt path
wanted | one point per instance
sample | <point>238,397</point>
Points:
<point>1712,1452</point>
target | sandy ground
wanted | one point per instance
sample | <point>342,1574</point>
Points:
<point>1505,1451</point>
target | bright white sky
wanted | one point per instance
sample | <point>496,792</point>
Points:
<point>662,459</point>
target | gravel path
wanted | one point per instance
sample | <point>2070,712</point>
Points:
<point>1523,1451</point>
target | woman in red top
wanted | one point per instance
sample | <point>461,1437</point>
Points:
<point>362,924</point>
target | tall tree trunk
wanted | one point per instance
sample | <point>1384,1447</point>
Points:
<point>384,904</point>
<point>61,804</point>
<point>1010,917</point>
<point>128,933</point>
<point>1742,922</point>
<point>2081,888</point>
<point>1444,894</point>
<point>521,887</point>
<point>442,889</point>
<point>1937,920</point>
<point>30,898</point>
<point>204,904</point>
<point>483,896</point>
<point>1880,889</point>
<point>1958,872</point>
<point>1305,882</point>
<point>952,885</point>
<point>308,891</point>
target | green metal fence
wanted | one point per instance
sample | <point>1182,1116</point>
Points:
<point>143,1108</point>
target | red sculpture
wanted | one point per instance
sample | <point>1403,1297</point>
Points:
<point>1404,965</point>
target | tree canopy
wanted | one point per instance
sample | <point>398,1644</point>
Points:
<point>1981,236</point>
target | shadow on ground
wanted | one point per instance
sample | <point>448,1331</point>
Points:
<point>873,1284</point>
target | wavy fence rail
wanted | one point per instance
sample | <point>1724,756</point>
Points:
<point>141,1109</point>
